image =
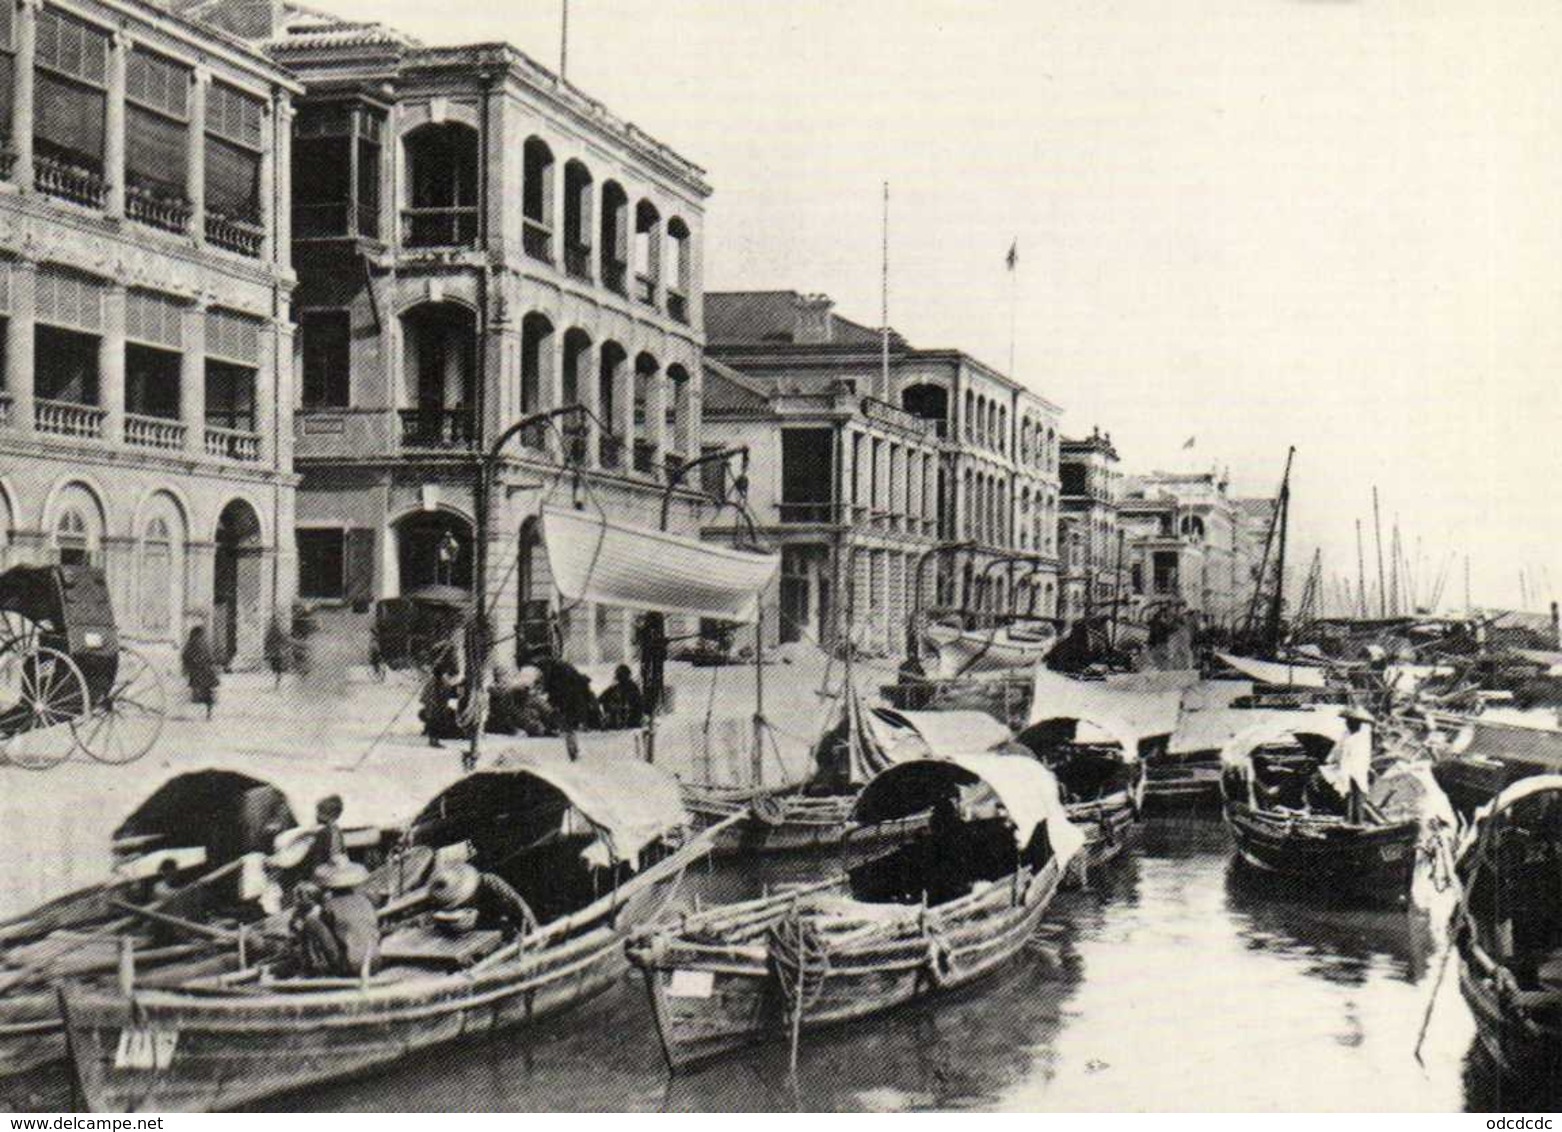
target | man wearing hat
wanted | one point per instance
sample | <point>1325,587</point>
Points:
<point>328,844</point>
<point>498,905</point>
<point>341,934</point>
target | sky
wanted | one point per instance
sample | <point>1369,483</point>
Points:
<point>1257,223</point>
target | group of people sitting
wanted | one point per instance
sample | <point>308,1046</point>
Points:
<point>547,696</point>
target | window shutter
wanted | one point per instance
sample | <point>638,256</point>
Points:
<point>233,337</point>
<point>64,299</point>
<point>153,319</point>
<point>360,565</point>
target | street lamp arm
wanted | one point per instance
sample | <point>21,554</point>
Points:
<point>678,476</point>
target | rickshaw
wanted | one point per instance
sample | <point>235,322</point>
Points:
<point>411,631</point>
<point>67,682</point>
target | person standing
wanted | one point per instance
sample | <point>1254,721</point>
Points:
<point>622,704</point>
<point>200,669</point>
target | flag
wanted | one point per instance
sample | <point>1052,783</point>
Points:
<point>1186,444</point>
<point>1013,258</point>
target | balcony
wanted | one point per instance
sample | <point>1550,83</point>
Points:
<point>645,456</point>
<point>242,236</point>
<point>577,261</point>
<point>615,277</point>
<point>86,187</point>
<point>439,227</point>
<point>232,444</point>
<point>537,241</point>
<point>171,214</point>
<point>611,451</point>
<point>154,432</point>
<point>66,418</point>
<point>813,512</point>
<point>678,306</point>
<point>645,289</point>
<point>437,428</point>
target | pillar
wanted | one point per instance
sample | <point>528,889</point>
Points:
<point>195,177</point>
<point>19,343</point>
<point>192,379</point>
<point>282,165</point>
<point>588,371</point>
<point>22,100</point>
<point>268,177</point>
<point>624,410</point>
<point>286,380</point>
<point>111,364</point>
<point>656,419</point>
<point>114,124</point>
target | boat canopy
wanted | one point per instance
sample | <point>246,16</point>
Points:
<point>935,734</point>
<point>1214,729</point>
<point>1508,798</point>
<point>593,558</point>
<point>1315,727</point>
<point>222,811</point>
<point>1276,674</point>
<point>1045,734</point>
<point>1139,709</point>
<point>1027,791</point>
<point>628,804</point>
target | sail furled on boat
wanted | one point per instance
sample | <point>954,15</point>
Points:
<point>597,559</point>
<point>935,734</point>
<point>1276,674</point>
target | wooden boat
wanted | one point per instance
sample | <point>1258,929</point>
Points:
<point>816,814</point>
<point>211,824</point>
<point>1485,756</point>
<point>1003,648</point>
<point>936,913</point>
<point>1367,847</point>
<point>1100,777</point>
<point>1507,927</point>
<point>593,848</point>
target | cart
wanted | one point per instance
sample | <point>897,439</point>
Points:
<point>67,682</point>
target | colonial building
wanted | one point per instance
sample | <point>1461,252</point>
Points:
<point>477,241</point>
<point>144,286</point>
<point>983,467</point>
<point>1181,535</point>
<point>1091,486</point>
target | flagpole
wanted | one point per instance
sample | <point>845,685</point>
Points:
<point>564,39</point>
<point>884,389</point>
<point>1014,299</point>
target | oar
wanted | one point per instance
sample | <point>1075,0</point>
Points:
<point>1426,1022</point>
<point>223,935</point>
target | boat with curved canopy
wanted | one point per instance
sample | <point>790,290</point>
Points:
<point>1100,776</point>
<point>595,850</point>
<point>952,904</point>
<point>1508,928</point>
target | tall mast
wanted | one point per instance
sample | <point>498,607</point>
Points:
<point>564,39</point>
<point>884,392</point>
<point>1361,574</point>
<point>1393,578</point>
<point>1377,530</point>
<point>1277,601</point>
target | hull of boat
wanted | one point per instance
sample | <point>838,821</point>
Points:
<point>1176,782</point>
<point>799,830</point>
<point>972,652</point>
<point>709,1001</point>
<point>30,1032</point>
<point>1522,1048</point>
<point>1374,862</point>
<point>162,1051</point>
<point>1107,826</point>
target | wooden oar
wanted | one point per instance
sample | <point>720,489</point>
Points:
<point>210,931</point>
<point>1437,986</point>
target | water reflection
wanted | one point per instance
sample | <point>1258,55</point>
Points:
<point>1173,982</point>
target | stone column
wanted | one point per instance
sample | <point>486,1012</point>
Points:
<point>268,176</point>
<point>656,419</point>
<point>282,400</point>
<point>282,175</point>
<point>192,379</point>
<point>196,175</point>
<point>22,95</point>
<point>111,364</point>
<point>624,410</point>
<point>19,331</point>
<point>588,367</point>
<point>114,124</point>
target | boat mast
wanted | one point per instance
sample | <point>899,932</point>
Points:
<point>1277,600</point>
<point>1377,529</point>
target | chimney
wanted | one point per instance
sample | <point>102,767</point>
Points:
<point>814,325</point>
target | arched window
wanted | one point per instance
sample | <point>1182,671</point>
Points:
<point>648,253</point>
<point>615,237</point>
<point>439,358</point>
<point>612,401</point>
<point>536,371</point>
<point>442,186</point>
<point>681,269</point>
<point>537,200</point>
<point>679,407</point>
<point>645,454</point>
<point>72,540</point>
<point>1003,431</point>
<point>577,219</point>
<point>970,415</point>
<point>160,580</point>
<point>575,382</point>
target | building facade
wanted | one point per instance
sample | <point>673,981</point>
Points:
<point>936,448</point>
<point>1092,554</point>
<point>1181,533</point>
<point>144,286</point>
<point>478,241</point>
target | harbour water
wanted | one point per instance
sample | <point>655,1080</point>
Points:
<point>1176,981</point>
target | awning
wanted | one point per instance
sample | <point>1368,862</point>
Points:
<point>1275,674</point>
<point>1139,711</point>
<point>1212,730</point>
<point>1508,797</point>
<point>593,558</point>
<point>942,734</point>
<point>1106,731</point>
<point>1027,791</point>
<point>630,804</point>
<point>1325,723</point>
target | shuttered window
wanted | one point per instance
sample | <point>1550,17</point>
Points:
<point>71,47</point>
<point>233,337</point>
<point>233,145</point>
<point>69,300</point>
<point>158,84</point>
<point>70,103</point>
<point>360,565</point>
<point>153,319</point>
<point>157,132</point>
<point>7,66</point>
<point>233,115</point>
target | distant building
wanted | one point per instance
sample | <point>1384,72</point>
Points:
<point>1181,532</point>
<point>1091,486</point>
<point>478,240</point>
<point>950,449</point>
<point>144,286</point>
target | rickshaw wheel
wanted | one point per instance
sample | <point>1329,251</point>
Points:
<point>123,725</point>
<point>44,694</point>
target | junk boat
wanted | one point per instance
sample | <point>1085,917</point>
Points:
<point>1100,778</point>
<point>947,907</point>
<point>1303,802</point>
<point>1508,926</point>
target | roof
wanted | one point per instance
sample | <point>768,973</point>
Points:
<point>778,318</point>
<point>726,389</point>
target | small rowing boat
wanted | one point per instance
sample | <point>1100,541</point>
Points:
<point>955,903</point>
<point>1100,777</point>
